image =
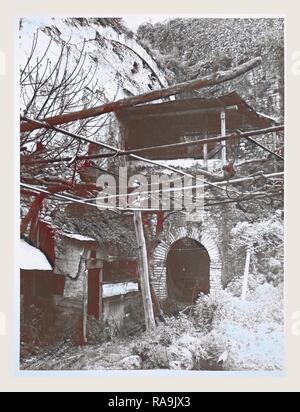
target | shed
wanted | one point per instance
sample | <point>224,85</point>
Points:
<point>37,282</point>
<point>96,258</point>
<point>184,120</point>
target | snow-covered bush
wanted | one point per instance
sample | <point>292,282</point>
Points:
<point>266,239</point>
<point>259,349</point>
<point>236,285</point>
<point>154,347</point>
<point>251,333</point>
<point>222,332</point>
<point>195,47</point>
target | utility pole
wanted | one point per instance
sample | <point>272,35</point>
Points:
<point>86,256</point>
<point>144,271</point>
<point>246,275</point>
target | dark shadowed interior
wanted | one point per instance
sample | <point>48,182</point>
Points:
<point>188,266</point>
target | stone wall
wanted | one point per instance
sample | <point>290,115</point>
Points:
<point>68,321</point>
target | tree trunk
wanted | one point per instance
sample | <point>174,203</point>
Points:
<point>210,80</point>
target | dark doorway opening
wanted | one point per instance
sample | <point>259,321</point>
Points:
<point>94,286</point>
<point>188,267</point>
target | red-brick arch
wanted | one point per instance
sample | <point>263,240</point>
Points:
<point>159,274</point>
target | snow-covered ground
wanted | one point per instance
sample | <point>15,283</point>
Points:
<point>221,333</point>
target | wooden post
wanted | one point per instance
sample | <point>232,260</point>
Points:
<point>144,271</point>
<point>246,275</point>
<point>223,133</point>
<point>86,255</point>
<point>101,294</point>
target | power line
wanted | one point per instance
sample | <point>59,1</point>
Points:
<point>116,150</point>
<point>204,185</point>
<point>87,201</point>
<point>73,200</point>
<point>237,134</point>
<point>62,197</point>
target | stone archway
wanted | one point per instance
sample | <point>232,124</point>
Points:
<point>159,278</point>
<point>188,271</point>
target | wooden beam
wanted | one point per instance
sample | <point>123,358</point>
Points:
<point>210,80</point>
<point>94,263</point>
<point>86,255</point>
<point>144,271</point>
<point>249,178</point>
<point>263,147</point>
<point>101,294</point>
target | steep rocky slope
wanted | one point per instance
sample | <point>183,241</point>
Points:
<point>72,63</point>
<point>189,48</point>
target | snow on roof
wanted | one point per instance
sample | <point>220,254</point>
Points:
<point>32,258</point>
<point>116,289</point>
<point>79,237</point>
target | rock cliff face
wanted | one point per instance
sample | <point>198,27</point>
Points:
<point>67,64</point>
<point>122,66</point>
<point>80,62</point>
<point>189,48</point>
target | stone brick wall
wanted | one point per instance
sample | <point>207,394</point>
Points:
<point>181,230</point>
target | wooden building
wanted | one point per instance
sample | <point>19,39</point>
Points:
<point>186,120</point>
<point>90,280</point>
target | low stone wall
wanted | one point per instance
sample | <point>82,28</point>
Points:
<point>124,312</point>
<point>51,321</point>
<point>68,319</point>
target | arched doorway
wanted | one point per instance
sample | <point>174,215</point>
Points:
<point>188,271</point>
